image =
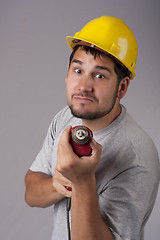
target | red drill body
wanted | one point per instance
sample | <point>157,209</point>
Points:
<point>80,139</point>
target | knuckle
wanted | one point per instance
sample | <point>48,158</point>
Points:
<point>100,147</point>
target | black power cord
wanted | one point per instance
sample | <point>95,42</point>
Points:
<point>68,207</point>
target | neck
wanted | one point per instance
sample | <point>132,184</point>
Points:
<point>100,123</point>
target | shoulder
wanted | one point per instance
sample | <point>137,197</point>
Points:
<point>141,143</point>
<point>137,135</point>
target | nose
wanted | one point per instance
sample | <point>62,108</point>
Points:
<point>86,84</point>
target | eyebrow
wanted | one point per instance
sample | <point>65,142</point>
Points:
<point>98,67</point>
<point>77,61</point>
<point>104,68</point>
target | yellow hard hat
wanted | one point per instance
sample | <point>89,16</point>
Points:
<point>112,36</point>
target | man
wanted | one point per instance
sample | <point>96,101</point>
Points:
<point>114,189</point>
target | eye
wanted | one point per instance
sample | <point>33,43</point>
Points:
<point>77,70</point>
<point>99,76</point>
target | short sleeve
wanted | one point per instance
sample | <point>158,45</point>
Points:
<point>43,161</point>
<point>126,203</point>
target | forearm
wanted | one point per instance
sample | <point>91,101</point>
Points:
<point>87,222</point>
<point>40,191</point>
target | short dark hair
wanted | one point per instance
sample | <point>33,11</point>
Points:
<point>119,70</point>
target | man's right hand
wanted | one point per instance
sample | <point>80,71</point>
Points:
<point>60,183</point>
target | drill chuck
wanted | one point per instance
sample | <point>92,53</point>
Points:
<point>80,138</point>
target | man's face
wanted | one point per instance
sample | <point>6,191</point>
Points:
<point>91,85</point>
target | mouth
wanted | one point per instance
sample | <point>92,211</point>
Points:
<point>84,98</point>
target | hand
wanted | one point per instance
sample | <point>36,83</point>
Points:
<point>70,165</point>
<point>59,183</point>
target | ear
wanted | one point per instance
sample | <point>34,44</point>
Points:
<point>123,87</point>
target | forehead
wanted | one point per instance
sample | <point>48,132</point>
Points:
<point>87,56</point>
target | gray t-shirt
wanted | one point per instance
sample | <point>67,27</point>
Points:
<point>127,176</point>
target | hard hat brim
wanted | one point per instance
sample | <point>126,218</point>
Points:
<point>73,41</point>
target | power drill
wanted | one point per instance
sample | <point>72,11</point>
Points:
<point>80,139</point>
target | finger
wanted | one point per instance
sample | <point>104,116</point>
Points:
<point>65,137</point>
<point>61,188</point>
<point>66,192</point>
<point>63,191</point>
<point>64,142</point>
<point>61,179</point>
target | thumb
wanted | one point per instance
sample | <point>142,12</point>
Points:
<point>96,147</point>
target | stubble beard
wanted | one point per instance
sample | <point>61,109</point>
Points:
<point>87,115</point>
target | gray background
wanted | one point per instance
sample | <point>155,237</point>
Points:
<point>33,63</point>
